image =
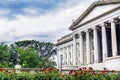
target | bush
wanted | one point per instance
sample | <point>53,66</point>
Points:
<point>53,74</point>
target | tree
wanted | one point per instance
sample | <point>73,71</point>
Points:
<point>14,55</point>
<point>28,57</point>
<point>44,51</point>
<point>4,55</point>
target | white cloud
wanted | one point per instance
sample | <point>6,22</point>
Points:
<point>30,11</point>
<point>4,12</point>
<point>54,24</point>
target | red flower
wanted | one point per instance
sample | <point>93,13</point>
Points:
<point>27,70</point>
<point>81,72</point>
<point>75,74</point>
<point>1,69</point>
<point>50,69</point>
<point>44,69</point>
<point>84,73</point>
<point>63,75</point>
<point>84,68</point>
<point>80,69</point>
<point>104,71</point>
<point>70,71</point>
<point>113,71</point>
<point>90,69</point>
<point>94,73</point>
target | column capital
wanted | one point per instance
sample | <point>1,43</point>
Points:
<point>94,27</point>
<point>80,33</point>
<point>118,17</point>
<point>75,35</point>
<point>111,20</point>
<point>86,30</point>
<point>102,24</point>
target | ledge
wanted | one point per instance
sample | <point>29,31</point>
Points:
<point>110,58</point>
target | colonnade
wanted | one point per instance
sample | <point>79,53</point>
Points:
<point>112,25</point>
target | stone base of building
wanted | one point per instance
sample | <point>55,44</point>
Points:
<point>112,63</point>
<point>70,67</point>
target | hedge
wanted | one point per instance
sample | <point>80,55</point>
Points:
<point>54,74</point>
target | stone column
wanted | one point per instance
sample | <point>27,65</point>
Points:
<point>74,51</point>
<point>58,58</point>
<point>113,36</point>
<point>104,41</point>
<point>88,46</point>
<point>95,34</point>
<point>72,54</point>
<point>71,61</point>
<point>67,55</point>
<point>64,56</point>
<point>81,48</point>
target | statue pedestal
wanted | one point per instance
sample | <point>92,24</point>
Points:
<point>17,67</point>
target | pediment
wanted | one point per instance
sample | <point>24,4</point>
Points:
<point>95,10</point>
<point>99,10</point>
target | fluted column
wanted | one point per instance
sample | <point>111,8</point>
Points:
<point>81,48</point>
<point>67,55</point>
<point>58,58</point>
<point>95,34</point>
<point>113,36</point>
<point>88,46</point>
<point>104,41</point>
<point>74,51</point>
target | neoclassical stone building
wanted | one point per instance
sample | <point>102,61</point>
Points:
<point>95,38</point>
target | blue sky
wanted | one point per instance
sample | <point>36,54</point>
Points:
<point>42,20</point>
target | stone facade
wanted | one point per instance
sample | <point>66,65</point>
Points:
<point>94,41</point>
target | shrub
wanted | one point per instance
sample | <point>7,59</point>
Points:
<point>53,74</point>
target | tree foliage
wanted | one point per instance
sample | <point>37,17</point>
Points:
<point>28,53</point>
<point>33,53</point>
<point>4,55</point>
<point>44,49</point>
<point>28,57</point>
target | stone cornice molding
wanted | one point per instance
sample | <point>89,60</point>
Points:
<point>65,41</point>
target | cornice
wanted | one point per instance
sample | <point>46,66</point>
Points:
<point>65,41</point>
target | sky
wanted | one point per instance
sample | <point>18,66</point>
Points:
<point>41,20</point>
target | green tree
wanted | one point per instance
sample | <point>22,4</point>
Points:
<point>28,57</point>
<point>44,50</point>
<point>14,55</point>
<point>4,55</point>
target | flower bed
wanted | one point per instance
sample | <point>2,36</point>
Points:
<point>54,74</point>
